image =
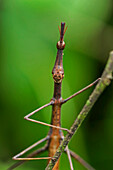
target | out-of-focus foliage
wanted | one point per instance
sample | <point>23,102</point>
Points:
<point>28,37</point>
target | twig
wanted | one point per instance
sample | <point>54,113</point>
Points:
<point>102,84</point>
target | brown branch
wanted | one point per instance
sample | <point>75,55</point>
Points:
<point>102,84</point>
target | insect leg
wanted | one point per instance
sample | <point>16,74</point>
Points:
<point>80,91</point>
<point>77,158</point>
<point>46,124</point>
<point>69,157</point>
<point>38,151</point>
<point>16,157</point>
<point>80,160</point>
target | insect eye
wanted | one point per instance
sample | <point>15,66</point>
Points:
<point>60,45</point>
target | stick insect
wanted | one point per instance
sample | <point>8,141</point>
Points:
<point>55,135</point>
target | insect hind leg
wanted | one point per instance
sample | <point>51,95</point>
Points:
<point>17,157</point>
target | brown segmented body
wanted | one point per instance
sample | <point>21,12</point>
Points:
<point>58,74</point>
<point>55,137</point>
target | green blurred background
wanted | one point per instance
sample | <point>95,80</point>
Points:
<point>28,36</point>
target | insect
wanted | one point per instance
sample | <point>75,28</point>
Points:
<point>55,134</point>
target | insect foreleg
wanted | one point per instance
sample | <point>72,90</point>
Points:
<point>80,91</point>
<point>46,124</point>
